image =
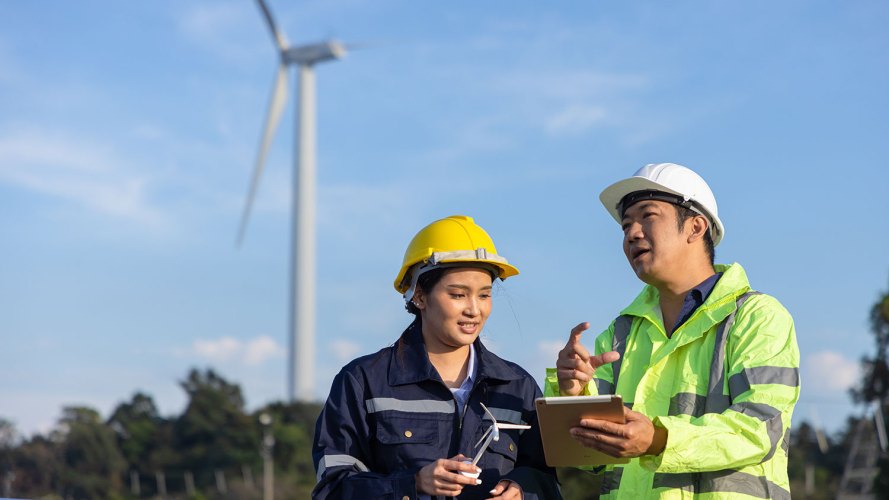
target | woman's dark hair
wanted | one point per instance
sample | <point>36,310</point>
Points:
<point>425,282</point>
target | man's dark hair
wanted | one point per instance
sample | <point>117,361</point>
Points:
<point>683,214</point>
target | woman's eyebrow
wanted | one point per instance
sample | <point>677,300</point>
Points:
<point>466,287</point>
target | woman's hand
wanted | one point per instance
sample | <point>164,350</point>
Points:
<point>506,490</point>
<point>443,477</point>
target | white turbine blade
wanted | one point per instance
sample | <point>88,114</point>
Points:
<point>881,426</point>
<point>502,425</point>
<point>277,34</point>
<point>276,107</point>
<point>820,438</point>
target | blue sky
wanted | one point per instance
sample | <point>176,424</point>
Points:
<point>128,131</point>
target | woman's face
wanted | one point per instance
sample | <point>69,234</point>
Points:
<point>456,308</point>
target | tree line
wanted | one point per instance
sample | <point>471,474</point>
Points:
<point>137,453</point>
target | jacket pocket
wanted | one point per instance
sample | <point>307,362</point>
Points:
<point>408,442</point>
<point>502,454</point>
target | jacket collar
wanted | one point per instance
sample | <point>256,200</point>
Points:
<point>410,364</point>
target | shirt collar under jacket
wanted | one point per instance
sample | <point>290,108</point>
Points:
<point>732,284</point>
<point>695,297</point>
<point>410,363</point>
<point>461,394</point>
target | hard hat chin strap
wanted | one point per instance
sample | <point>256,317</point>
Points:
<point>459,258</point>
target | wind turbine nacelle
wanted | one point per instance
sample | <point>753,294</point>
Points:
<point>315,53</point>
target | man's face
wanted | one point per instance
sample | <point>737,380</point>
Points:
<point>653,244</point>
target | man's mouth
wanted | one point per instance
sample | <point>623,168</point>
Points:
<point>639,251</point>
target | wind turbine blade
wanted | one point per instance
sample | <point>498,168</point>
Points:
<point>278,35</point>
<point>276,107</point>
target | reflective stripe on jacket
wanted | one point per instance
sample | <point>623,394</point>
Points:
<point>725,441</point>
<point>389,414</point>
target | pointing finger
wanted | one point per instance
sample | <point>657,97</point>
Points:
<point>576,331</point>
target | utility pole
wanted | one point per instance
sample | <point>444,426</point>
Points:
<point>268,465</point>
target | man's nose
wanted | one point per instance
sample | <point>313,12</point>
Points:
<point>633,231</point>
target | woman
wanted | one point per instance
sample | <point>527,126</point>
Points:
<point>405,422</point>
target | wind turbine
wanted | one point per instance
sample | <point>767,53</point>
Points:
<point>301,369</point>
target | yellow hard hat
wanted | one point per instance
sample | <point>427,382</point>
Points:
<point>453,239</point>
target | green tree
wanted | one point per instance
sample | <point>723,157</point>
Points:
<point>144,438</point>
<point>826,464</point>
<point>136,425</point>
<point>37,468</point>
<point>214,432</point>
<point>293,427</point>
<point>874,386</point>
<point>92,465</point>
<point>8,440</point>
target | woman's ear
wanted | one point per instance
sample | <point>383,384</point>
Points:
<point>419,299</point>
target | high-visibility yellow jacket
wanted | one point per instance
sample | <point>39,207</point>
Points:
<point>723,386</point>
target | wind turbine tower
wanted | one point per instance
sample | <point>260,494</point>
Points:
<point>301,369</point>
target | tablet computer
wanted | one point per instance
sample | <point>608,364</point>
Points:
<point>557,415</point>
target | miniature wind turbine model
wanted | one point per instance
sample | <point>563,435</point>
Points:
<point>492,434</point>
<point>301,368</point>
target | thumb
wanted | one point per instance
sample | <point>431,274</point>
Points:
<point>501,486</point>
<point>604,358</point>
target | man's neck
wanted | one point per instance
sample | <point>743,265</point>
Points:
<point>672,293</point>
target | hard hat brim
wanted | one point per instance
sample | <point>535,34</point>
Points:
<point>505,271</point>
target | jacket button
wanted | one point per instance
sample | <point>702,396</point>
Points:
<point>511,447</point>
<point>408,434</point>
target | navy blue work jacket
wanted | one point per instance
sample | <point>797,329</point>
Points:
<point>389,414</point>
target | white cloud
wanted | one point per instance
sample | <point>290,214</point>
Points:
<point>829,370</point>
<point>575,119</point>
<point>549,349</point>
<point>260,349</point>
<point>221,28</point>
<point>77,170</point>
<point>344,350</point>
<point>229,349</point>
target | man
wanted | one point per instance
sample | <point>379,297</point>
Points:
<point>707,368</point>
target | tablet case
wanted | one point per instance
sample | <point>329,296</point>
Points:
<point>556,415</point>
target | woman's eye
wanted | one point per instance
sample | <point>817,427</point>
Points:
<point>457,295</point>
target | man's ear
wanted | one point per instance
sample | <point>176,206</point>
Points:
<point>699,227</point>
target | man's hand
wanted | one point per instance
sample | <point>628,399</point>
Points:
<point>575,366</point>
<point>506,490</point>
<point>443,477</point>
<point>637,437</point>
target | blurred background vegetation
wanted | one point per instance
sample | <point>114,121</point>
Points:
<point>213,450</point>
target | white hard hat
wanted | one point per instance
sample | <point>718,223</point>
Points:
<point>688,187</point>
